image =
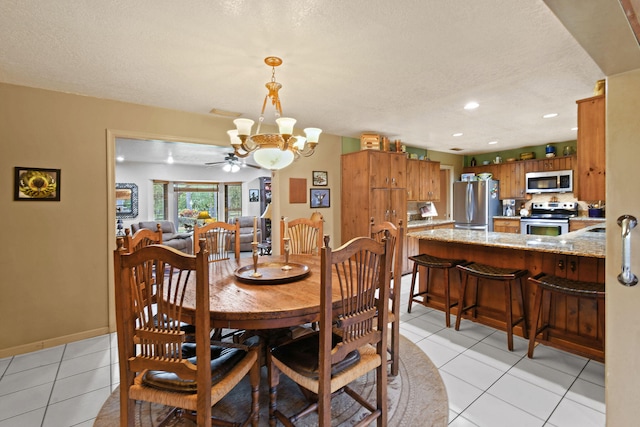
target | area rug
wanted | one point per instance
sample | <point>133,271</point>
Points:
<point>416,396</point>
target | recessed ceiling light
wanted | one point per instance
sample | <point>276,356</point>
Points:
<point>471,105</point>
<point>458,134</point>
<point>550,115</point>
<point>493,142</point>
<point>170,159</point>
<point>120,159</point>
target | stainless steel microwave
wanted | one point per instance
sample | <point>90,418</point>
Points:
<point>550,182</point>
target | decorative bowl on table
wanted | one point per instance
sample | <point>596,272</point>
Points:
<point>484,176</point>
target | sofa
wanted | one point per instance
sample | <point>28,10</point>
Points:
<point>246,233</point>
<point>170,237</point>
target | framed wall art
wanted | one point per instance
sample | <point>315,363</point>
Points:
<point>36,184</point>
<point>320,178</point>
<point>126,200</point>
<point>254,195</point>
<point>320,198</point>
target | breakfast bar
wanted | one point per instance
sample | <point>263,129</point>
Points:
<point>578,255</point>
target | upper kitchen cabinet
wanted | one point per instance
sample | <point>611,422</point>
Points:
<point>423,180</point>
<point>388,169</point>
<point>511,177</point>
<point>590,172</point>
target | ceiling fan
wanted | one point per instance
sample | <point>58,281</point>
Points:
<point>232,163</point>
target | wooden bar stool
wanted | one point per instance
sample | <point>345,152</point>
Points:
<point>551,286</point>
<point>508,276</point>
<point>428,262</point>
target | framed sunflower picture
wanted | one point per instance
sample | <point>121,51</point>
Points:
<point>36,184</point>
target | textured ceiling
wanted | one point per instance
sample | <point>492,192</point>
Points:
<point>404,69</point>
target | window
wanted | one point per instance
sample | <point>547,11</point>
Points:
<point>160,201</point>
<point>233,200</point>
<point>192,198</point>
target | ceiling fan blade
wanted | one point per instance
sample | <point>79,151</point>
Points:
<point>215,163</point>
<point>252,166</point>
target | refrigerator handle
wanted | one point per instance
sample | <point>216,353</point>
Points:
<point>469,203</point>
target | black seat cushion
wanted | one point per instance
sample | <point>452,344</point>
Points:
<point>225,359</point>
<point>301,355</point>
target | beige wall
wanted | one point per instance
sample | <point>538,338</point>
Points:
<point>326,158</point>
<point>56,255</point>
<point>623,197</point>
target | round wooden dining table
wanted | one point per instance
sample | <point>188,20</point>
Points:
<point>260,304</point>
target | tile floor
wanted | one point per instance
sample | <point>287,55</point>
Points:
<point>487,385</point>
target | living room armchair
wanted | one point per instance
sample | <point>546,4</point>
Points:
<point>170,237</point>
<point>245,233</point>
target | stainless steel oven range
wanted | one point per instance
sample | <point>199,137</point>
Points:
<point>549,218</point>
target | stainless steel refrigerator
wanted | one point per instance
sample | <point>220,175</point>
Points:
<point>475,203</point>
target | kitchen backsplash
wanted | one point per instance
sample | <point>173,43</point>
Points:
<point>561,197</point>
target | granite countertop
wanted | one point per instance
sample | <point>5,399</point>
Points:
<point>426,223</point>
<point>581,242</point>
<point>587,219</point>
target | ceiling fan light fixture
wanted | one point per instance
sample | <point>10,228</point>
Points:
<point>273,151</point>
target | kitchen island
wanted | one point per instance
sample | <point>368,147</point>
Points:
<point>578,255</point>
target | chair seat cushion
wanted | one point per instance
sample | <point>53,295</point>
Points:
<point>225,359</point>
<point>301,355</point>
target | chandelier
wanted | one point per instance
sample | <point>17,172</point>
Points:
<point>273,150</point>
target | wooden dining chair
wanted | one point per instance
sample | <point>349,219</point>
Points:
<point>305,235</point>
<point>352,339</point>
<point>396,236</point>
<point>141,238</point>
<point>219,237</point>
<point>156,364</point>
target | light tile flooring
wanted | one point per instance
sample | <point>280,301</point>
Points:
<point>487,385</point>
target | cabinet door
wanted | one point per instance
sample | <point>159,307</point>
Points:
<point>379,163</point>
<point>413,179</point>
<point>380,208</point>
<point>590,173</point>
<point>434,181</point>
<point>397,170</point>
<point>398,206</point>
<point>512,183</point>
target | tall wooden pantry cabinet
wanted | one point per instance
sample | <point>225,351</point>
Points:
<point>374,184</point>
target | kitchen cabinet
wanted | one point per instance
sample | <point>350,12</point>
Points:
<point>512,174</point>
<point>423,180</point>
<point>590,178</point>
<point>506,225</point>
<point>429,181</point>
<point>554,164</point>
<point>373,185</point>
<point>512,182</point>
<point>387,169</point>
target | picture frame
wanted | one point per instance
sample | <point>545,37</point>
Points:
<point>126,200</point>
<point>320,198</point>
<point>320,178</point>
<point>254,195</point>
<point>36,184</point>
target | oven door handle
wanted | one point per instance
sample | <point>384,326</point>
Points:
<point>626,277</point>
